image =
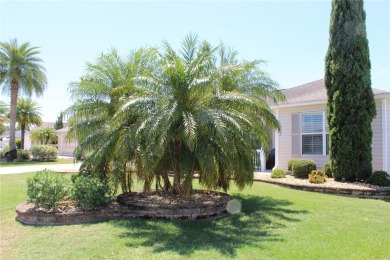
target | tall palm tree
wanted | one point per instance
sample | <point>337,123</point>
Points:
<point>20,70</point>
<point>27,114</point>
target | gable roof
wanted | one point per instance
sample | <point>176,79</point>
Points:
<point>314,92</point>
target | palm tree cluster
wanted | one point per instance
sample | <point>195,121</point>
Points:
<point>196,111</point>
<point>20,70</point>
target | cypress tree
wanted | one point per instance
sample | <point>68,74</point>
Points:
<point>351,104</point>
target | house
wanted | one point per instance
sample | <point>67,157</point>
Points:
<point>304,133</point>
<point>65,147</point>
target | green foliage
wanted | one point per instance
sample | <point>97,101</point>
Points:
<point>18,142</point>
<point>59,124</point>
<point>328,169</point>
<point>302,168</point>
<point>290,164</point>
<point>380,178</point>
<point>317,177</point>
<point>27,114</point>
<point>45,189</point>
<point>90,192</point>
<point>21,70</point>
<point>44,135</point>
<point>351,104</point>
<point>278,173</point>
<point>194,110</point>
<point>44,153</point>
<point>24,155</point>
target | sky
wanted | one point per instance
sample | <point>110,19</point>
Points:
<point>292,36</point>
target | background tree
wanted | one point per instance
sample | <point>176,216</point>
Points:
<point>27,114</point>
<point>44,135</point>
<point>20,70</point>
<point>351,104</point>
<point>4,110</point>
<point>59,124</point>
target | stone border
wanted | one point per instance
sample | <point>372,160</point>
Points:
<point>26,214</point>
<point>349,192</point>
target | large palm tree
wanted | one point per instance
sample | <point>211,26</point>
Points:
<point>97,97</point>
<point>20,70</point>
<point>27,114</point>
<point>198,114</point>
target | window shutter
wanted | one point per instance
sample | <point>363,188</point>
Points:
<point>296,135</point>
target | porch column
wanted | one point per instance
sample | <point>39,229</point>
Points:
<point>263,160</point>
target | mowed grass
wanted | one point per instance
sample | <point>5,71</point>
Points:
<point>31,163</point>
<point>274,223</point>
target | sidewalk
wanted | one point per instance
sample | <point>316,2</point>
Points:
<point>70,167</point>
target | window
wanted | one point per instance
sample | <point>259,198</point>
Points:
<point>315,136</point>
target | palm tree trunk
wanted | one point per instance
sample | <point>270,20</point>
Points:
<point>22,130</point>
<point>12,127</point>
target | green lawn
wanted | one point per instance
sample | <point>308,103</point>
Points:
<point>275,223</point>
<point>29,163</point>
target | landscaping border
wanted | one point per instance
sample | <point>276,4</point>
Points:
<point>370,193</point>
<point>26,213</point>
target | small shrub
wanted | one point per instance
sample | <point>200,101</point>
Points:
<point>44,153</point>
<point>23,155</point>
<point>18,142</point>
<point>317,177</point>
<point>379,178</point>
<point>302,168</point>
<point>328,169</point>
<point>3,151</point>
<point>45,189</point>
<point>290,164</point>
<point>90,192</point>
<point>278,173</point>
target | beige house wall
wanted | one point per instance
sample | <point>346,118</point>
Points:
<point>284,138</point>
<point>65,148</point>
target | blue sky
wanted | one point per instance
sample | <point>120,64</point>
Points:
<point>291,35</point>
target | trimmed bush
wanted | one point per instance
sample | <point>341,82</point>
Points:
<point>278,173</point>
<point>45,189</point>
<point>317,177</point>
<point>290,164</point>
<point>328,169</point>
<point>23,155</point>
<point>90,192</point>
<point>379,178</point>
<point>44,153</point>
<point>18,142</point>
<point>302,168</point>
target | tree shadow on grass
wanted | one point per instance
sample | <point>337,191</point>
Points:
<point>258,221</point>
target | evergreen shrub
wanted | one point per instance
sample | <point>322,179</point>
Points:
<point>278,173</point>
<point>328,169</point>
<point>379,178</point>
<point>46,188</point>
<point>44,153</point>
<point>90,192</point>
<point>302,168</point>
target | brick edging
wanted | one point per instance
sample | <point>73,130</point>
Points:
<point>29,216</point>
<point>349,192</point>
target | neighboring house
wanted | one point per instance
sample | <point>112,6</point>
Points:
<point>65,147</point>
<point>304,132</point>
<point>4,139</point>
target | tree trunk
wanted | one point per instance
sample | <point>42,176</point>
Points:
<point>176,182</point>
<point>22,130</point>
<point>12,128</point>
